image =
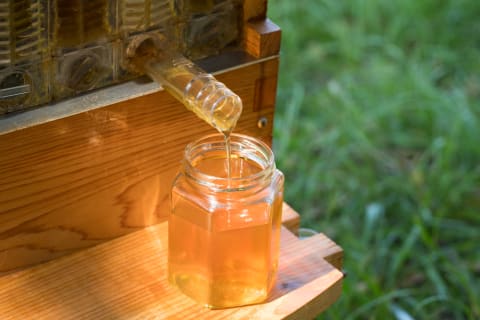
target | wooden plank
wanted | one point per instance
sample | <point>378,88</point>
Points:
<point>290,218</point>
<point>94,176</point>
<point>262,38</point>
<point>331,252</point>
<point>126,279</point>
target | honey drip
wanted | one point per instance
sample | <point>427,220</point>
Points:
<point>228,151</point>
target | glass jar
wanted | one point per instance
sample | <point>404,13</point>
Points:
<point>224,232</point>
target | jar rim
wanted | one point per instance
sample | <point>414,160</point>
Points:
<point>249,147</point>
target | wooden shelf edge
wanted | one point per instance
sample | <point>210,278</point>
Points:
<point>126,278</point>
<point>290,218</point>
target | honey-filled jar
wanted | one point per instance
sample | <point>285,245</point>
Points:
<point>224,226</point>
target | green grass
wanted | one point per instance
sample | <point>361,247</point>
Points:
<point>377,130</point>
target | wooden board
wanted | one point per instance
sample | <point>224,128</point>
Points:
<point>126,279</point>
<point>262,38</point>
<point>91,177</point>
<point>290,218</point>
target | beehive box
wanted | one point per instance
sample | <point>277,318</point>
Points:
<point>84,190</point>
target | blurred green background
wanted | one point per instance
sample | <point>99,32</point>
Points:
<point>377,130</point>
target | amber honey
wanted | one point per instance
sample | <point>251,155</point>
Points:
<point>224,232</point>
<point>222,268</point>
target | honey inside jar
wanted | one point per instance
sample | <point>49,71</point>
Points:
<point>224,231</point>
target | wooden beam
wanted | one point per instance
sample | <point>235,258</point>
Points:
<point>261,38</point>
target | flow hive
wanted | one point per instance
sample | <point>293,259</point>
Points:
<point>88,152</point>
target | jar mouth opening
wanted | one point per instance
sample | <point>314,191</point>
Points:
<point>242,146</point>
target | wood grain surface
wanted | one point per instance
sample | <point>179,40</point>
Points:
<point>88,178</point>
<point>254,9</point>
<point>290,218</point>
<point>262,38</point>
<point>126,279</point>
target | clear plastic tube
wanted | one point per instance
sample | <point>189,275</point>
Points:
<point>198,90</point>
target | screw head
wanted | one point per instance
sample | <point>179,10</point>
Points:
<point>262,122</point>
